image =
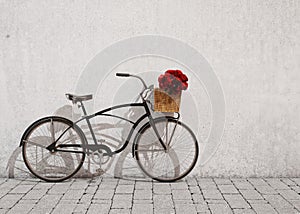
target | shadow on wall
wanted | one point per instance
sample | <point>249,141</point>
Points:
<point>121,166</point>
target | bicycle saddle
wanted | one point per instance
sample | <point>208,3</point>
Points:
<point>77,98</point>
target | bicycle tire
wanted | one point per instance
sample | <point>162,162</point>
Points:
<point>52,166</point>
<point>150,155</point>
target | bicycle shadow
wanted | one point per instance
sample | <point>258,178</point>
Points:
<point>119,166</point>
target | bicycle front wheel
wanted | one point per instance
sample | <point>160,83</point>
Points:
<point>173,163</point>
<point>53,166</point>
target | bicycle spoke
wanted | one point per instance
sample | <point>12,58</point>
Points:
<point>52,166</point>
<point>174,163</point>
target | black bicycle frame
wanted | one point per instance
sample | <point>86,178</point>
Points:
<point>95,147</point>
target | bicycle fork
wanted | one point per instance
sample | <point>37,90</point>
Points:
<point>156,132</point>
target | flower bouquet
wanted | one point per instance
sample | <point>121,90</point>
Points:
<point>167,97</point>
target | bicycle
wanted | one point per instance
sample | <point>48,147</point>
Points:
<point>54,148</point>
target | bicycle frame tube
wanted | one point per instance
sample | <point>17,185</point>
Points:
<point>135,124</point>
<point>104,113</point>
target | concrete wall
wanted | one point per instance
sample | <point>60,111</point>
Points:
<point>253,46</point>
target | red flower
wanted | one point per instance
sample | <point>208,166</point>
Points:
<point>173,81</point>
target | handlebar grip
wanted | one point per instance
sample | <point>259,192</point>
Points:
<point>122,74</point>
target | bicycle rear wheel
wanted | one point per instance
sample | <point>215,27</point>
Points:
<point>166,165</point>
<point>58,165</point>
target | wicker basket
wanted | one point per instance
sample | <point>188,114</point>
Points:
<point>164,102</point>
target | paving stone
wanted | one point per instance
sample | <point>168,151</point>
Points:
<point>101,201</point>
<point>295,203</point>
<point>251,194</point>
<point>220,209</point>
<point>142,194</point>
<point>143,185</point>
<point>277,201</point>
<point>185,208</point>
<point>191,181</point>
<point>2,180</point>
<point>97,181</point>
<point>28,201</point>
<point>195,190</point>
<point>257,181</point>
<point>143,201</point>
<point>30,181</point>
<point>183,201</point>
<point>86,199</point>
<point>192,195</point>
<point>236,201</point>
<point>71,201</point>
<point>142,208</point>
<point>21,208</point>
<point>122,201</point>
<point>9,184</point>
<point>21,189</point>
<point>242,184</point>
<point>73,194</point>
<point>227,189</point>
<point>204,180</point>
<point>62,208</point>
<point>243,211</point>
<point>296,189</point>
<point>38,210</point>
<point>212,194</point>
<point>3,211</point>
<point>288,181</point>
<point>79,184</point>
<point>126,182</point>
<point>201,208</point>
<point>9,200</point>
<point>276,183</point>
<point>44,207</point>
<point>163,188</point>
<point>287,210</point>
<point>220,181</point>
<point>250,201</point>
<point>107,187</point>
<point>164,211</point>
<point>181,194</point>
<point>58,190</point>
<point>120,211</point>
<point>207,184</point>
<point>179,185</point>
<point>214,201</point>
<point>124,189</point>
<point>204,212</point>
<point>81,208</point>
<point>104,194</point>
<point>43,185</point>
<point>3,192</point>
<point>198,199</point>
<point>50,199</point>
<point>266,190</point>
<point>163,201</point>
<point>263,209</point>
<point>91,189</point>
<point>296,180</point>
<point>35,194</point>
<point>289,194</point>
<point>98,208</point>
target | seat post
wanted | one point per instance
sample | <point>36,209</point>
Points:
<point>83,109</point>
<point>88,123</point>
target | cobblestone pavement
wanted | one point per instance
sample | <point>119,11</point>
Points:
<point>111,195</point>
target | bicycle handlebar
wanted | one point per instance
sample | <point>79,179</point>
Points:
<point>122,75</point>
<point>132,75</point>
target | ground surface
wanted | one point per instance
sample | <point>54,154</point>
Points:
<point>111,195</point>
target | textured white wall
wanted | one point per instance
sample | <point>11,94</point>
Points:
<point>253,47</point>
